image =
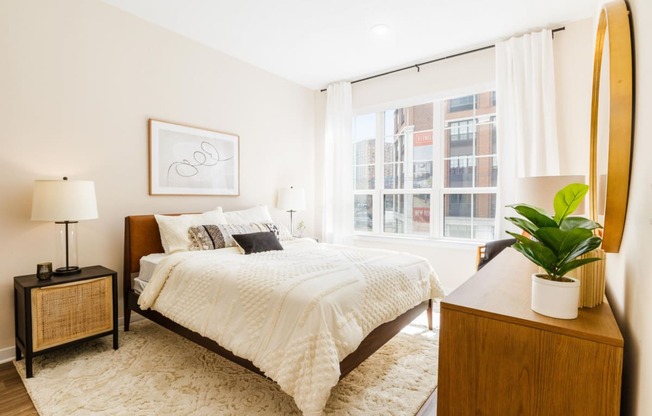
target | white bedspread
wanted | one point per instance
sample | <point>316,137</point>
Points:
<point>294,313</point>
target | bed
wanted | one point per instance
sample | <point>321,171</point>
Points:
<point>142,238</point>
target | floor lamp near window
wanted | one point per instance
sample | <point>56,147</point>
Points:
<point>291,200</point>
<point>65,203</point>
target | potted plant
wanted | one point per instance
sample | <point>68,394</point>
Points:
<point>301,227</point>
<point>555,244</point>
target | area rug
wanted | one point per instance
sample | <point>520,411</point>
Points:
<point>156,372</point>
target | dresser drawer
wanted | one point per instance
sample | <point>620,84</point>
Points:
<point>72,311</point>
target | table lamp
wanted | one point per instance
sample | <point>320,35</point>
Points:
<point>64,202</point>
<point>291,200</point>
<point>540,191</point>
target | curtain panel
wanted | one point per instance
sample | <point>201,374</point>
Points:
<point>526,127</point>
<point>337,226</point>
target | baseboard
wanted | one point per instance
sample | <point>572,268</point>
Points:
<point>9,354</point>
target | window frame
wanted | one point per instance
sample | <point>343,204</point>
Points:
<point>437,191</point>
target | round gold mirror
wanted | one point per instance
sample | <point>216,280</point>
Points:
<point>611,123</point>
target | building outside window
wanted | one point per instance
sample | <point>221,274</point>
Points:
<point>461,103</point>
<point>427,170</point>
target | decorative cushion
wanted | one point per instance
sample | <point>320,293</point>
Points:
<point>280,230</point>
<point>174,228</point>
<point>259,213</point>
<point>202,237</point>
<point>257,242</point>
<point>212,237</point>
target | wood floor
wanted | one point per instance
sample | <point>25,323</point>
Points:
<point>14,399</point>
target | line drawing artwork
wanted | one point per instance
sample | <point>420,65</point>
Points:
<point>191,161</point>
<point>208,155</point>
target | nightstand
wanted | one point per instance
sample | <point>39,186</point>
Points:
<point>64,310</point>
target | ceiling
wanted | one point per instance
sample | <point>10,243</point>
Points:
<point>316,42</point>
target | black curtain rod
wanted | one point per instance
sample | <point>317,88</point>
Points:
<point>417,66</point>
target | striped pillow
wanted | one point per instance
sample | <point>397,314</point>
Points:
<point>216,236</point>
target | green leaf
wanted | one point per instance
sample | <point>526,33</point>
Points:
<point>573,239</point>
<point>529,254</point>
<point>523,224</point>
<point>568,199</point>
<point>583,247</point>
<point>578,222</point>
<point>536,251</point>
<point>571,265</point>
<point>552,238</point>
<point>521,238</point>
<point>536,215</point>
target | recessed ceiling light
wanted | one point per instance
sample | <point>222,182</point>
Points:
<point>380,29</point>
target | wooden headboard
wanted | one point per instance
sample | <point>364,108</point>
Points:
<point>141,238</point>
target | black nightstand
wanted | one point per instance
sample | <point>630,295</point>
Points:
<point>64,310</point>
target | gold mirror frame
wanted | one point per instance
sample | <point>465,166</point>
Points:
<point>614,22</point>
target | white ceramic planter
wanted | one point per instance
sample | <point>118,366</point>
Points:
<point>555,299</point>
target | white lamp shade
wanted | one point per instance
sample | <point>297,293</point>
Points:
<point>291,199</point>
<point>540,191</point>
<point>63,200</point>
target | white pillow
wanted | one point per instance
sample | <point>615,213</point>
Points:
<point>259,213</point>
<point>174,228</point>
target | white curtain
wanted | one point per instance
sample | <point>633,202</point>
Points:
<point>338,166</point>
<point>526,125</point>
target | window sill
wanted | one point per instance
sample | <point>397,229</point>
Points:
<point>418,241</point>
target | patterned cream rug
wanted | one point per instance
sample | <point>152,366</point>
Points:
<point>156,372</point>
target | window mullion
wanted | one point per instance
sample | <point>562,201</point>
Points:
<point>436,200</point>
<point>380,177</point>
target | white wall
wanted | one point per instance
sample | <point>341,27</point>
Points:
<point>629,277</point>
<point>445,77</point>
<point>573,48</point>
<point>78,81</point>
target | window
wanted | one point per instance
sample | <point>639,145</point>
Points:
<point>462,130</point>
<point>461,104</point>
<point>427,170</point>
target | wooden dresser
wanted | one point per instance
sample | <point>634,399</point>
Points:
<point>498,357</point>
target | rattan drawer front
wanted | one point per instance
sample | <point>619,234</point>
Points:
<point>72,311</point>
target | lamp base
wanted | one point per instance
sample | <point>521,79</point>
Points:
<point>63,271</point>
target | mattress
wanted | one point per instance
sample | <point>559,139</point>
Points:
<point>139,285</point>
<point>148,264</point>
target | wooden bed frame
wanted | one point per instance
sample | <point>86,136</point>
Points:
<point>142,238</point>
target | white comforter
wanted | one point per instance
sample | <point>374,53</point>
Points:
<point>294,313</point>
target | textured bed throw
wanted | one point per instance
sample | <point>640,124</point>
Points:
<point>156,372</point>
<point>296,313</point>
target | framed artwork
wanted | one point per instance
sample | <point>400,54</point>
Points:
<point>187,160</point>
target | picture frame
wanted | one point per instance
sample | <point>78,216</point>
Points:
<point>186,160</point>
